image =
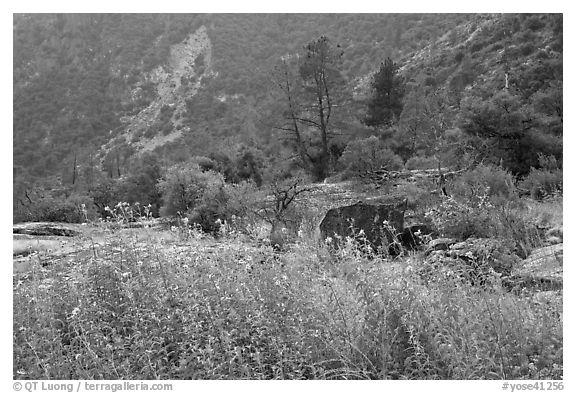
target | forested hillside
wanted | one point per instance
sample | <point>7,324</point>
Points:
<point>347,196</point>
<point>98,97</point>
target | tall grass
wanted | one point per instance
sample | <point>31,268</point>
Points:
<point>174,307</point>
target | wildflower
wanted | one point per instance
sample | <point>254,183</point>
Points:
<point>328,240</point>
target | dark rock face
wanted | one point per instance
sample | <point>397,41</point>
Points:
<point>368,217</point>
<point>412,237</point>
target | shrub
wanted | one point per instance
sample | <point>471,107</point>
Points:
<point>534,23</point>
<point>205,163</point>
<point>485,180</point>
<point>526,49</point>
<point>421,162</point>
<point>54,208</point>
<point>183,187</point>
<point>233,204</point>
<point>246,312</point>
<point>459,57</point>
<point>477,46</point>
<point>497,46</point>
<point>542,183</point>
<point>545,181</point>
<point>369,154</point>
<point>461,219</point>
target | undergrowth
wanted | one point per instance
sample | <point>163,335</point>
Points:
<point>179,307</point>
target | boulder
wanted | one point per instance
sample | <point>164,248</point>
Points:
<point>490,252</point>
<point>478,260</point>
<point>413,236</point>
<point>541,271</point>
<point>377,222</point>
<point>45,229</point>
<point>554,235</point>
<point>440,244</point>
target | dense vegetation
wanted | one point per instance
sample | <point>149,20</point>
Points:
<point>460,90</point>
<point>203,194</point>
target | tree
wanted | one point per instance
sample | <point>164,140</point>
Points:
<point>510,132</point>
<point>385,104</point>
<point>183,186</point>
<point>311,98</point>
<point>139,185</point>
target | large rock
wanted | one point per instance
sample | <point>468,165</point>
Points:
<point>541,271</point>
<point>481,261</point>
<point>45,229</point>
<point>377,222</point>
<point>441,244</point>
<point>414,236</point>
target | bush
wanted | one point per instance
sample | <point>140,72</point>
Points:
<point>369,154</point>
<point>461,219</point>
<point>534,23</point>
<point>459,57</point>
<point>485,180</point>
<point>52,208</point>
<point>421,162</point>
<point>526,49</point>
<point>477,46</point>
<point>545,181</point>
<point>225,203</point>
<point>542,183</point>
<point>183,187</point>
<point>248,313</point>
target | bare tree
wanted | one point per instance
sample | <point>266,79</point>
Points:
<point>311,97</point>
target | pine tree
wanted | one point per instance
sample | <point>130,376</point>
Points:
<point>387,93</point>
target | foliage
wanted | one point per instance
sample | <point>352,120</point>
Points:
<point>312,98</point>
<point>485,180</point>
<point>505,123</point>
<point>542,183</point>
<point>140,185</point>
<point>245,312</point>
<point>183,188</point>
<point>55,208</point>
<point>419,162</point>
<point>369,154</point>
<point>464,218</point>
<point>230,204</point>
<point>385,104</point>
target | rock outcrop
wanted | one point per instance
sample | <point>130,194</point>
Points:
<point>477,260</point>
<point>541,271</point>
<point>377,222</point>
<point>44,229</point>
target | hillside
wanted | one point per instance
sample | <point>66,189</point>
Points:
<point>78,79</point>
<point>93,93</point>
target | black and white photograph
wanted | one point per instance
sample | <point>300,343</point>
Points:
<point>287,196</point>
